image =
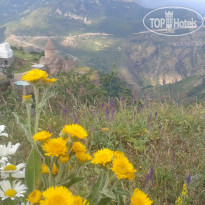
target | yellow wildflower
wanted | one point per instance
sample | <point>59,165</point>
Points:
<point>79,201</point>
<point>46,80</point>
<point>123,168</point>
<point>44,169</point>
<point>103,156</point>
<point>34,197</point>
<point>140,198</point>
<point>83,157</point>
<point>185,191</point>
<point>34,75</point>
<point>26,98</point>
<point>56,196</point>
<point>75,130</point>
<point>54,170</point>
<point>55,147</point>
<point>118,154</point>
<point>179,201</point>
<point>105,129</point>
<point>41,136</point>
<point>78,147</point>
<point>64,158</point>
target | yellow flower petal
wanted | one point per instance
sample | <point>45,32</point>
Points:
<point>83,157</point>
<point>123,168</point>
<point>103,156</point>
<point>54,170</point>
<point>140,198</point>
<point>64,158</point>
<point>34,197</point>
<point>41,136</point>
<point>34,75</point>
<point>44,169</point>
<point>78,147</point>
<point>57,196</point>
<point>55,147</point>
<point>75,130</point>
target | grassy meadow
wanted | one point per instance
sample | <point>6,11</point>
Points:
<point>164,141</point>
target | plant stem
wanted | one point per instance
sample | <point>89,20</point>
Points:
<point>107,179</point>
<point>60,172</point>
<point>36,92</point>
<point>114,185</point>
<point>28,108</point>
<point>50,180</point>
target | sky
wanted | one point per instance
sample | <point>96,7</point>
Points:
<point>198,5</point>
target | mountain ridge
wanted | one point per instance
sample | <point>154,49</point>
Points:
<point>101,33</point>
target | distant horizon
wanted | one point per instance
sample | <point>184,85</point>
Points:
<point>198,5</point>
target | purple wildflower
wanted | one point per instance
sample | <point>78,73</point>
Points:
<point>75,118</point>
<point>149,176</point>
<point>151,172</point>
<point>150,118</point>
<point>188,179</point>
<point>107,113</point>
<point>102,105</point>
<point>146,179</point>
<point>155,115</point>
<point>65,111</point>
<point>50,128</point>
<point>111,103</point>
<point>112,113</point>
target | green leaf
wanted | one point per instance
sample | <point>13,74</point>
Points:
<point>23,124</point>
<point>108,194</point>
<point>97,187</point>
<point>120,191</point>
<point>120,200</point>
<point>70,180</point>
<point>73,181</point>
<point>33,171</point>
<point>45,98</point>
<point>105,201</point>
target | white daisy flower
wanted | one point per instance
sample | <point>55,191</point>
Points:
<point>10,169</point>
<point>8,190</point>
<point>2,128</point>
<point>19,174</point>
<point>3,160</point>
<point>8,150</point>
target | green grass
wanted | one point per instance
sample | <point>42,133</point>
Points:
<point>171,141</point>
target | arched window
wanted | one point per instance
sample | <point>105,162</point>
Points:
<point>5,62</point>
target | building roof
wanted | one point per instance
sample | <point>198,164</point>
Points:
<point>49,45</point>
<point>37,66</point>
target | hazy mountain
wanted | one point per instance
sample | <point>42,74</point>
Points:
<point>61,17</point>
<point>100,33</point>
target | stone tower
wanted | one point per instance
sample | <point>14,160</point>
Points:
<point>50,50</point>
